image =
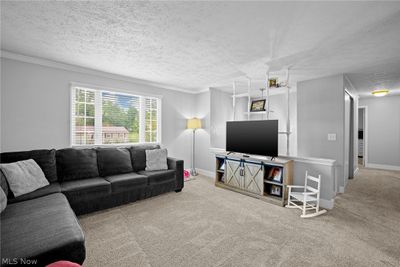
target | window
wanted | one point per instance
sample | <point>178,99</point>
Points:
<point>103,117</point>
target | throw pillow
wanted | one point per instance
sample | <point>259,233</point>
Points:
<point>24,176</point>
<point>156,159</point>
<point>3,200</point>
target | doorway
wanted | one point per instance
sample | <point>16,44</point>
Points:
<point>349,156</point>
<point>362,136</point>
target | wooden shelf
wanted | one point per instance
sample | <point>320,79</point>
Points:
<point>273,182</point>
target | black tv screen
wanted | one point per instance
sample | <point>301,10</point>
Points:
<point>252,137</point>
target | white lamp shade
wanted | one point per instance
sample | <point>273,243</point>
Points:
<point>193,123</point>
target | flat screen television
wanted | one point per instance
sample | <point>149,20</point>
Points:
<point>252,137</point>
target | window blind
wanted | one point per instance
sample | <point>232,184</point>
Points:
<point>106,117</point>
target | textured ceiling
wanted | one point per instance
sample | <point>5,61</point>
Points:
<point>196,45</point>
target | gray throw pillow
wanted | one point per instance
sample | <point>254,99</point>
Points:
<point>3,200</point>
<point>24,176</point>
<point>156,159</point>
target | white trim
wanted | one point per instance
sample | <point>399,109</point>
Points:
<point>206,173</point>
<point>327,204</point>
<point>75,68</point>
<point>365,144</point>
<point>113,90</point>
<point>383,167</point>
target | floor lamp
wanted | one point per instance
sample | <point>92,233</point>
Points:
<point>193,124</point>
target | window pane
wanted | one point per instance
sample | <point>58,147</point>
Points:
<point>79,138</point>
<point>120,118</point>
<point>89,96</point>
<point>90,122</point>
<point>80,95</point>
<point>90,138</point>
<point>90,110</point>
<point>79,121</point>
<point>80,109</point>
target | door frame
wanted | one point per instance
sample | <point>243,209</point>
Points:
<point>365,135</point>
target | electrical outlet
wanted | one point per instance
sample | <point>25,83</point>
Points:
<point>331,137</point>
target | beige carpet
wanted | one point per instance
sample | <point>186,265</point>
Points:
<point>208,226</point>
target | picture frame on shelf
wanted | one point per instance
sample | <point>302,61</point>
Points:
<point>276,190</point>
<point>272,82</point>
<point>275,174</point>
<point>257,105</point>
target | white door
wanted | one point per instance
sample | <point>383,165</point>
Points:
<point>253,178</point>
<point>233,177</point>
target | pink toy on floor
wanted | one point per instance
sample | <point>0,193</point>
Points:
<point>186,175</point>
<point>63,264</point>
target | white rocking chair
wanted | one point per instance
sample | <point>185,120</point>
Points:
<point>306,200</point>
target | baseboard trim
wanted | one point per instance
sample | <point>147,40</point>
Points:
<point>341,189</point>
<point>327,204</point>
<point>206,173</point>
<point>383,167</point>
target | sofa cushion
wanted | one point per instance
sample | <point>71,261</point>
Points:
<point>4,183</point>
<point>24,176</point>
<point>86,189</point>
<point>138,155</point>
<point>156,159</point>
<point>114,161</point>
<point>45,158</point>
<point>3,200</point>
<point>126,182</point>
<point>75,164</point>
<point>44,229</point>
<point>159,176</point>
<point>44,191</point>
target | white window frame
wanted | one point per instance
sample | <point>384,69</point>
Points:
<point>98,114</point>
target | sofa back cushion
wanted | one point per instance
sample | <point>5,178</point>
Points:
<point>138,155</point>
<point>45,158</point>
<point>4,183</point>
<point>76,164</point>
<point>114,161</point>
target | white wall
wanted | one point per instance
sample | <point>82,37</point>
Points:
<point>221,111</point>
<point>204,158</point>
<point>383,132</point>
<point>35,107</point>
<point>320,110</point>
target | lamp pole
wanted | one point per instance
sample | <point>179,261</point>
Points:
<point>193,171</point>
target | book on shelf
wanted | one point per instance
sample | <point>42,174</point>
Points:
<point>222,166</point>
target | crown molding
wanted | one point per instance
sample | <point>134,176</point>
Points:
<point>84,70</point>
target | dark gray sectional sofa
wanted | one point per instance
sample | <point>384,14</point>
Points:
<point>42,225</point>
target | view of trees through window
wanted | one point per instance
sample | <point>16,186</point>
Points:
<point>120,120</point>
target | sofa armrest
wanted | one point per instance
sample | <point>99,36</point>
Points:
<point>177,165</point>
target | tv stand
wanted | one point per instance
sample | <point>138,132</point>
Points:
<point>259,177</point>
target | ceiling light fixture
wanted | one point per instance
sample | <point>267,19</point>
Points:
<point>381,92</point>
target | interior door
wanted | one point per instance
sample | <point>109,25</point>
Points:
<point>233,173</point>
<point>253,178</point>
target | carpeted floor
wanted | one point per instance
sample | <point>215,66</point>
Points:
<point>208,226</point>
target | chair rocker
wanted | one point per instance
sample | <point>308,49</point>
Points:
<point>308,197</point>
